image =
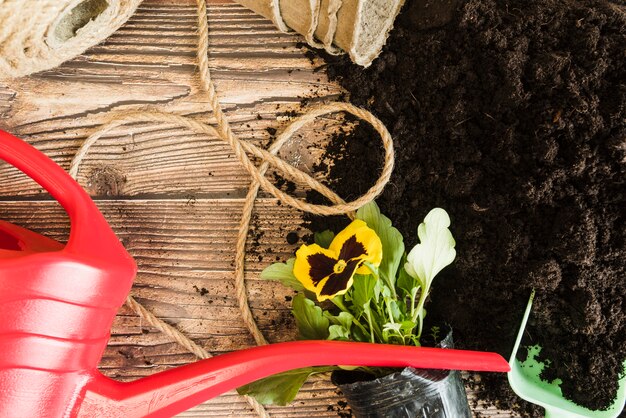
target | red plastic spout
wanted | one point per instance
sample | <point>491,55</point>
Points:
<point>168,393</point>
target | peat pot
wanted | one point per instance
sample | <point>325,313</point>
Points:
<point>408,393</point>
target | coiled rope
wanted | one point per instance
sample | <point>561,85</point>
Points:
<point>241,150</point>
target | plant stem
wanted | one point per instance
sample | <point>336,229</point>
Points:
<point>413,294</point>
<point>369,320</point>
<point>389,313</point>
<point>419,312</point>
<point>338,301</point>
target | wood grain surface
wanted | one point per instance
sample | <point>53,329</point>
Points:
<point>173,197</point>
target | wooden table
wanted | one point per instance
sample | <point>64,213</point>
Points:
<point>173,197</point>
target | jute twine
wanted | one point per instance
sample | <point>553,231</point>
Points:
<point>242,150</point>
<point>358,27</point>
<point>38,35</point>
<point>315,9</point>
<point>329,37</point>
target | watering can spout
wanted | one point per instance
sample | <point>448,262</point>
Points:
<point>168,393</point>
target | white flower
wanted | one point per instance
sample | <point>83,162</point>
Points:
<point>435,250</point>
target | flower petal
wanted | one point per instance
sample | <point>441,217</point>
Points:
<point>313,264</point>
<point>351,248</point>
<point>357,240</point>
<point>338,283</point>
<point>321,266</point>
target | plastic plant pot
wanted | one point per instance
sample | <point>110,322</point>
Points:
<point>407,393</point>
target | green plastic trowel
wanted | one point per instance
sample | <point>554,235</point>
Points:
<point>525,381</point>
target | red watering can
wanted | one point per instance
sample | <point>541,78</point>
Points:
<point>57,304</point>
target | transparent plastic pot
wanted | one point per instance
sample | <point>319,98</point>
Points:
<point>408,393</point>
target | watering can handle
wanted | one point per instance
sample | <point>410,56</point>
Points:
<point>90,234</point>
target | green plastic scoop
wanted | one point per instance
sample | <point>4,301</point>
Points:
<point>524,380</point>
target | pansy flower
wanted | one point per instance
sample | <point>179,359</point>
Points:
<point>330,272</point>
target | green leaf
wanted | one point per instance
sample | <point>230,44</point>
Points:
<point>394,309</point>
<point>312,323</point>
<point>415,340</point>
<point>362,290</point>
<point>338,332</point>
<point>282,388</point>
<point>283,272</point>
<point>390,237</point>
<point>378,289</point>
<point>435,250</point>
<point>342,323</point>
<point>406,282</point>
<point>392,327</point>
<point>407,325</point>
<point>324,238</point>
<point>435,334</point>
<point>344,319</point>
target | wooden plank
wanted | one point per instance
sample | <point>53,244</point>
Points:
<point>164,160</point>
<point>57,109</point>
<point>185,252</point>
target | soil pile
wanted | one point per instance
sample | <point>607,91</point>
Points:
<point>511,117</point>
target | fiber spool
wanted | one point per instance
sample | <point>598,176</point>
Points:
<point>37,35</point>
<point>357,27</point>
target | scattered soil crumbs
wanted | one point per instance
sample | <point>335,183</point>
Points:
<point>511,117</point>
<point>341,408</point>
<point>202,291</point>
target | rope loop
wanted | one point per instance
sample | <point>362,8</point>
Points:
<point>242,148</point>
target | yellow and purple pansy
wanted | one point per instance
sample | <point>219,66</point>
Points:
<point>330,272</point>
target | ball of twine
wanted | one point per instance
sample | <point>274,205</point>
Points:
<point>37,35</point>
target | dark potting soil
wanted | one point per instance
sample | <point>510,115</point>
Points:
<point>511,117</point>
